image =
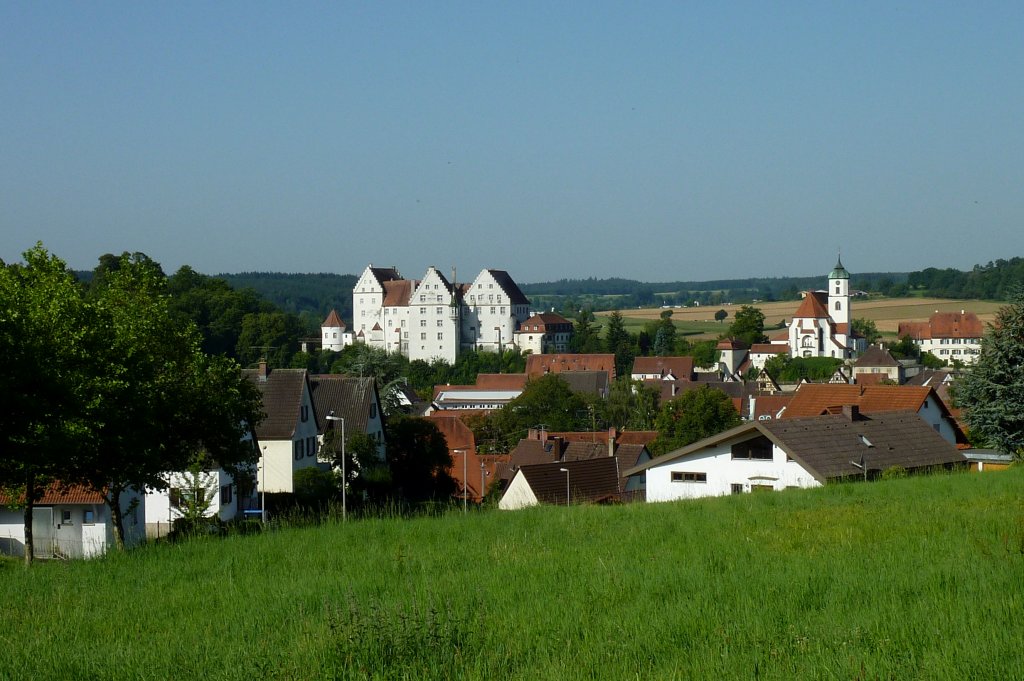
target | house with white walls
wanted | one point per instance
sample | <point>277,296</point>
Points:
<point>545,332</point>
<point>288,435</point>
<point>774,455</point>
<point>947,335</point>
<point>72,522</point>
<point>335,334</point>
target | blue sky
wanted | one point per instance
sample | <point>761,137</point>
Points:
<point>656,141</point>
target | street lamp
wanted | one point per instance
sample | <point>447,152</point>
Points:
<point>566,471</point>
<point>483,470</point>
<point>465,494</point>
<point>263,487</point>
<point>344,476</point>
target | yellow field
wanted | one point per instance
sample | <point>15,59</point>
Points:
<point>887,313</point>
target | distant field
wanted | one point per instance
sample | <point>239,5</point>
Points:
<point>904,579</point>
<point>887,313</point>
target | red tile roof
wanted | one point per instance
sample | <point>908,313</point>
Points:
<point>54,495</point>
<point>811,308</point>
<point>333,320</point>
<point>769,348</point>
<point>501,381</point>
<point>944,325</point>
<point>538,365</point>
<point>680,367</point>
<point>397,293</point>
<point>813,399</point>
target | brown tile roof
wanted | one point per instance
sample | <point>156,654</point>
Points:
<point>56,494</point>
<point>812,399</point>
<point>769,406</point>
<point>944,325</point>
<point>456,433</point>
<point>587,382</point>
<point>397,293</point>
<point>542,320</point>
<point>876,356</point>
<point>680,367</point>
<point>782,335</point>
<point>637,437</point>
<point>589,480</point>
<point>577,451</point>
<point>871,379</point>
<point>349,397</point>
<point>282,397</point>
<point>731,344</point>
<point>769,348</point>
<point>538,365</point>
<point>510,287</point>
<point>811,308</point>
<point>333,320</point>
<point>529,452</point>
<point>501,381</point>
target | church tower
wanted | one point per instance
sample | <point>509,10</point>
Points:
<point>839,294</point>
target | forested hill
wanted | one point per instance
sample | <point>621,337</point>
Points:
<point>315,294</point>
<point>994,281</point>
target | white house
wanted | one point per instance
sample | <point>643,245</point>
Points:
<point>544,332</point>
<point>947,335</point>
<point>71,523</point>
<point>164,506</point>
<point>798,453</point>
<point>288,435</point>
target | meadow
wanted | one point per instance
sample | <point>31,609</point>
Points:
<point>887,313</point>
<point>911,579</point>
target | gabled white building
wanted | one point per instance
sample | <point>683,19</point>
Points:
<point>435,318</point>
<point>334,334</point>
<point>821,325</point>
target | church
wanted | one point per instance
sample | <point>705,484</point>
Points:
<point>821,326</point>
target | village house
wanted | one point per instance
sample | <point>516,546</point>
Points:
<point>545,332</point>
<point>69,523</point>
<point>353,401</point>
<point>947,335</point>
<point>797,453</point>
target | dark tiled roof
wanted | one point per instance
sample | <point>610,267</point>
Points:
<point>588,382</point>
<point>876,356</point>
<point>510,287</point>
<point>590,480</point>
<point>351,398</point>
<point>529,452</point>
<point>384,274</point>
<point>282,397</point>
<point>826,445</point>
<point>578,451</point>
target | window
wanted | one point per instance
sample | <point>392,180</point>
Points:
<point>311,446</point>
<point>304,413</point>
<point>440,310</point>
<point>423,310</point>
<point>297,449</point>
<point>678,476</point>
<point>736,488</point>
<point>65,517</point>
<point>839,306</point>
<point>373,410</point>
<point>440,322</point>
<point>757,449</point>
<point>423,322</point>
<point>492,310</point>
<point>440,336</point>
<point>225,494</point>
<point>88,517</point>
<point>423,336</point>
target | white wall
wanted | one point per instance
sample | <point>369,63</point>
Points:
<point>518,494</point>
<point>722,473</point>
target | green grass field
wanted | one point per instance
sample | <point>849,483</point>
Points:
<point>904,579</point>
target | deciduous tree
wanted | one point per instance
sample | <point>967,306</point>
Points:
<point>694,415</point>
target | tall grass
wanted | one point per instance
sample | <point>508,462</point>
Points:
<point>913,578</point>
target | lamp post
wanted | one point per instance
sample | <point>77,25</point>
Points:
<point>263,487</point>
<point>344,475</point>
<point>482,472</point>
<point>566,471</point>
<point>465,495</point>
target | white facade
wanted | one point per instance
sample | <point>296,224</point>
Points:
<point>71,530</point>
<point>430,319</point>
<point>163,508</point>
<point>280,459</point>
<point>715,471</point>
<point>821,325</point>
<point>433,312</point>
<point>518,494</point>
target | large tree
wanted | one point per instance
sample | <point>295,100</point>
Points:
<point>992,392</point>
<point>43,323</point>
<point>694,415</point>
<point>748,325</point>
<point>418,460</point>
<point>618,342</point>
<point>156,400</point>
<point>586,335</point>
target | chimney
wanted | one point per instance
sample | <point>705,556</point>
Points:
<point>611,442</point>
<point>262,372</point>
<point>851,411</point>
